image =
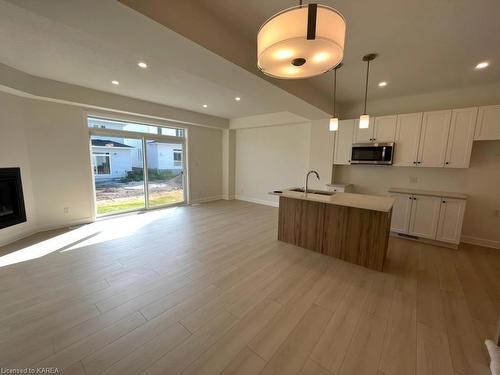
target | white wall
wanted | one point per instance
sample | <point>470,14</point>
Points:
<point>50,141</point>
<point>270,158</point>
<point>14,153</point>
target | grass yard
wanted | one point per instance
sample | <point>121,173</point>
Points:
<point>134,203</point>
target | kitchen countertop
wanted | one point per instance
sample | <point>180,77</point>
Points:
<point>366,202</point>
<point>431,193</point>
<point>339,185</point>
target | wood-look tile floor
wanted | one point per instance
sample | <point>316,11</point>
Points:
<point>209,290</point>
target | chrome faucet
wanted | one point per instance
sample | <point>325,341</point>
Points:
<point>307,180</point>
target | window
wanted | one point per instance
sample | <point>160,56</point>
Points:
<point>177,158</point>
<point>94,122</point>
<point>102,164</point>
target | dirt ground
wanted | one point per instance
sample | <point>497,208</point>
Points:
<point>112,190</point>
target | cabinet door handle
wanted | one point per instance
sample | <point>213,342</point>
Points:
<point>447,163</point>
<point>418,162</point>
<point>444,201</point>
<point>409,197</point>
<point>414,199</point>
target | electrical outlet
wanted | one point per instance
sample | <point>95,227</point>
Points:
<point>413,180</point>
<point>66,210</point>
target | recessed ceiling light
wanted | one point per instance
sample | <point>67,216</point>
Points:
<point>482,65</point>
<point>115,83</point>
<point>237,98</point>
<point>205,105</point>
<point>382,84</point>
<point>142,65</point>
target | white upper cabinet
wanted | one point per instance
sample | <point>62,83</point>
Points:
<point>424,216</point>
<point>363,135</point>
<point>461,136</point>
<point>407,138</point>
<point>488,123</point>
<point>384,129</point>
<point>451,217</point>
<point>343,142</point>
<point>434,138</point>
<point>401,212</point>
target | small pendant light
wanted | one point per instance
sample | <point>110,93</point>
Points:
<point>334,121</point>
<point>364,119</point>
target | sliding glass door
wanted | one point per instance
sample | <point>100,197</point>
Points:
<point>165,172</point>
<point>118,173</point>
<point>119,161</point>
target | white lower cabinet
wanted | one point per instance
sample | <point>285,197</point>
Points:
<point>401,212</point>
<point>451,217</point>
<point>424,216</point>
<point>429,217</point>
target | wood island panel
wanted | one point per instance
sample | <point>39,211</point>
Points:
<point>300,222</point>
<point>352,234</point>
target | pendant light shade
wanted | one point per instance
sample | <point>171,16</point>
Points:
<point>364,119</point>
<point>334,124</point>
<point>301,42</point>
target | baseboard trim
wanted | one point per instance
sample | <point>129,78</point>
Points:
<point>207,199</point>
<point>255,200</point>
<point>69,224</point>
<point>424,240</point>
<point>481,242</point>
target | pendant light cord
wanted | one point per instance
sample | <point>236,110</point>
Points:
<point>366,86</point>
<point>334,89</point>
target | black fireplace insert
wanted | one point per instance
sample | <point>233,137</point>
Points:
<point>12,209</point>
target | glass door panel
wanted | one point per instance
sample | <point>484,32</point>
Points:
<point>118,166</point>
<point>165,173</point>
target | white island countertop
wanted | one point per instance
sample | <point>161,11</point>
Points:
<point>363,201</point>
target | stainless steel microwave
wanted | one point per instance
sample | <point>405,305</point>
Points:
<point>372,153</point>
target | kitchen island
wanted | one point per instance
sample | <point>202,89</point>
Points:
<point>351,227</point>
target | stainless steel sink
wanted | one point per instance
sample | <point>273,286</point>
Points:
<point>312,191</point>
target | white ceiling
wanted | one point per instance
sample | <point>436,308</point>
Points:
<point>92,42</point>
<point>423,45</point>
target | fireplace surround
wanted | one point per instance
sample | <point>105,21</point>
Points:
<point>12,210</point>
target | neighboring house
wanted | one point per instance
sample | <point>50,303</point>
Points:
<point>164,155</point>
<point>161,156</point>
<point>111,159</point>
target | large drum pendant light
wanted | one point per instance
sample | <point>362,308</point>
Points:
<point>301,42</point>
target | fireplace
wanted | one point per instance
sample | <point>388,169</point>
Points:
<point>12,210</point>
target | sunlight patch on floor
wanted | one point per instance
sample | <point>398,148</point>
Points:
<point>100,231</point>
